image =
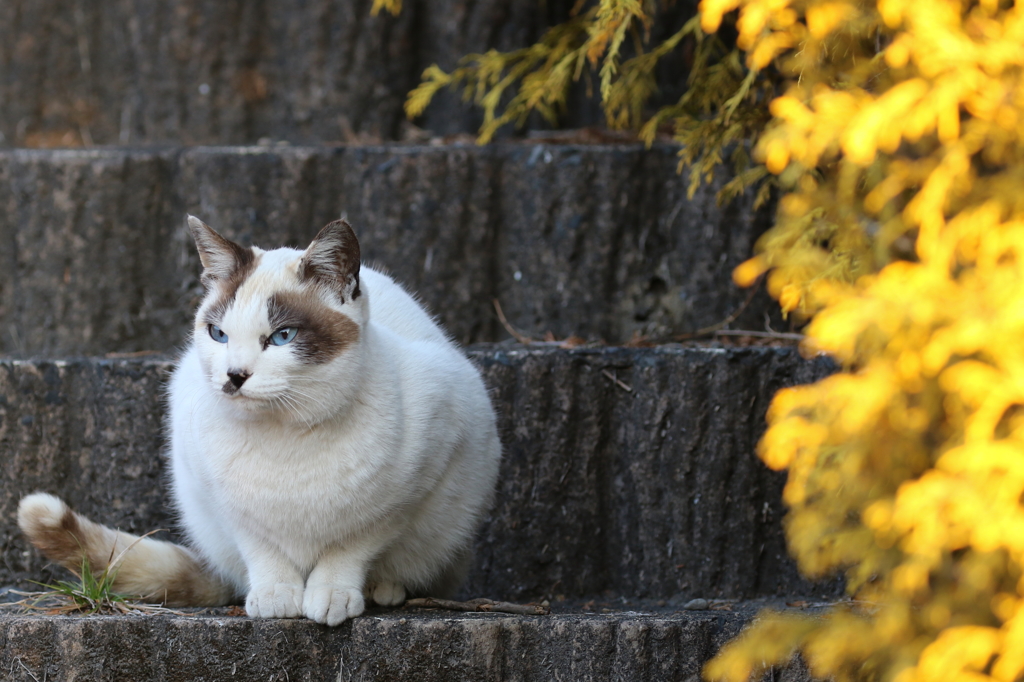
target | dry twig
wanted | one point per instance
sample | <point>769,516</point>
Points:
<point>619,382</point>
<point>54,604</point>
<point>729,320</point>
<point>133,354</point>
<point>508,327</point>
<point>485,605</point>
<point>760,335</point>
<point>26,669</point>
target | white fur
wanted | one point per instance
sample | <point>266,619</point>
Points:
<point>316,485</point>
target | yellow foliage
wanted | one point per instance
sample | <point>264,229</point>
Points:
<point>894,129</point>
<point>899,142</point>
<point>389,6</point>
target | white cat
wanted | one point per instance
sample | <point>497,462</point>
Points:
<point>320,454</point>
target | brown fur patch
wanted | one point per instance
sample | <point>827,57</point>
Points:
<point>156,571</point>
<point>191,584</point>
<point>152,569</point>
<point>227,288</point>
<point>62,543</point>
<point>226,265</point>
<point>323,333</point>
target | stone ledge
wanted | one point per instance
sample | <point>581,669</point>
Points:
<point>653,491</point>
<point>208,71</point>
<point>380,645</point>
<point>596,241</point>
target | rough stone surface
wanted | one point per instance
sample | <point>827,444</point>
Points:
<point>234,71</point>
<point>381,645</point>
<point>650,491</point>
<point>597,241</point>
<point>653,491</point>
<point>88,431</point>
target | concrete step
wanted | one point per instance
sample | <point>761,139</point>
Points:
<point>232,72</point>
<point>625,470</point>
<point>393,644</point>
<point>596,241</point>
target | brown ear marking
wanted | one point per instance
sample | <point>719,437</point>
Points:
<point>333,259</point>
<point>223,260</point>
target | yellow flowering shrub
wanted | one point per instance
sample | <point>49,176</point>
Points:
<point>895,131</point>
<point>901,141</point>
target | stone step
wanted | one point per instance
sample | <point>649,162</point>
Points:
<point>232,72</point>
<point>625,470</point>
<point>385,645</point>
<point>596,241</point>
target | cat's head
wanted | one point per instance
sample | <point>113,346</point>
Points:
<point>280,330</point>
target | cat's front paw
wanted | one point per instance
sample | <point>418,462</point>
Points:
<point>280,600</point>
<point>332,605</point>
<point>388,594</point>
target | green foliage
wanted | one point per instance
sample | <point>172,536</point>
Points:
<point>722,112</point>
<point>544,72</point>
<point>90,593</point>
<point>719,117</point>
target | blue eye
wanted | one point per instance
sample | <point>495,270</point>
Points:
<point>283,336</point>
<point>216,334</point>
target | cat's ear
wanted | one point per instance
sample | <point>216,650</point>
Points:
<point>221,258</point>
<point>333,260</point>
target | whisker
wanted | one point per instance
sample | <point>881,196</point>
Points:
<point>316,401</point>
<point>294,407</point>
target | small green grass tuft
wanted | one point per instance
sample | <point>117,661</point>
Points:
<point>89,594</point>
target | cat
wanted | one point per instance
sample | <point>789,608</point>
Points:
<point>320,455</point>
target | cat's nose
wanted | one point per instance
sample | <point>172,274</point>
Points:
<point>238,377</point>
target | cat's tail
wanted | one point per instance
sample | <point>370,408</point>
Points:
<point>153,570</point>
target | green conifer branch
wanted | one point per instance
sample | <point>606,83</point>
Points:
<point>722,111</point>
